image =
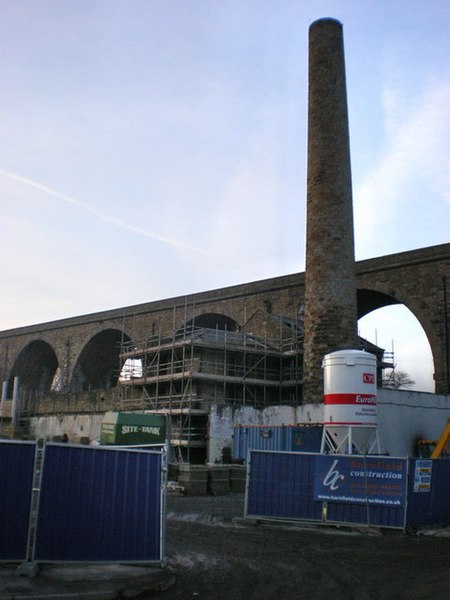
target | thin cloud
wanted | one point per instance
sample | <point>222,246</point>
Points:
<point>101,215</point>
<point>415,154</point>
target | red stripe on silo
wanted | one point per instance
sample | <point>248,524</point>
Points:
<point>350,399</point>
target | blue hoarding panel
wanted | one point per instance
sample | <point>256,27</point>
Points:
<point>16,476</point>
<point>361,479</point>
<point>428,492</point>
<point>329,488</point>
<point>365,514</point>
<point>99,504</point>
<point>366,490</point>
<point>281,486</point>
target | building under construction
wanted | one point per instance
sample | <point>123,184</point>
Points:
<point>183,372</point>
<point>208,362</point>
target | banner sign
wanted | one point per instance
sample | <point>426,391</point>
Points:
<point>357,479</point>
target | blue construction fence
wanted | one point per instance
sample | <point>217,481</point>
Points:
<point>17,463</point>
<point>79,503</point>
<point>377,491</point>
<point>287,438</point>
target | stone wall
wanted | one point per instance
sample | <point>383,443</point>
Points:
<point>418,279</point>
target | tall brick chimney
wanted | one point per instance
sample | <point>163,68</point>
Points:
<point>330,281</point>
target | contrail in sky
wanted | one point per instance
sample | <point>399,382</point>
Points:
<point>101,215</point>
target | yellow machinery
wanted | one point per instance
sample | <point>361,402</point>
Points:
<point>440,445</point>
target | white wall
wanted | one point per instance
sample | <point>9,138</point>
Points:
<point>404,417</point>
<point>74,426</point>
<point>224,418</point>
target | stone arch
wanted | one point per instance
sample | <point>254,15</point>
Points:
<point>36,367</point>
<point>98,365</point>
<point>211,321</point>
<point>371,300</point>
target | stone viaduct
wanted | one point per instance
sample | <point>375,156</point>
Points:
<point>81,353</point>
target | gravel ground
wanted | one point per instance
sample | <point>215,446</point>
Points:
<point>216,556</point>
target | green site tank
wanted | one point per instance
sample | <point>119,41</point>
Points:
<point>133,429</point>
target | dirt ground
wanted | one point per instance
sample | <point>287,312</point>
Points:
<point>216,557</point>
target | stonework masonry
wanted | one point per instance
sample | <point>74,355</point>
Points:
<point>419,279</point>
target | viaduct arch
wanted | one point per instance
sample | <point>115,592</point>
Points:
<point>36,365</point>
<point>82,353</point>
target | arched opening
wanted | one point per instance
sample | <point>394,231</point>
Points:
<point>132,369</point>
<point>98,366</point>
<point>36,367</point>
<point>212,321</point>
<point>397,330</point>
<point>370,300</point>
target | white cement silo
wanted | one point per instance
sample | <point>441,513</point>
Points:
<point>350,402</point>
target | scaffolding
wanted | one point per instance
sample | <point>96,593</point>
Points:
<point>184,372</point>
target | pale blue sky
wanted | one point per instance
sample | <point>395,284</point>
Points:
<point>154,148</point>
